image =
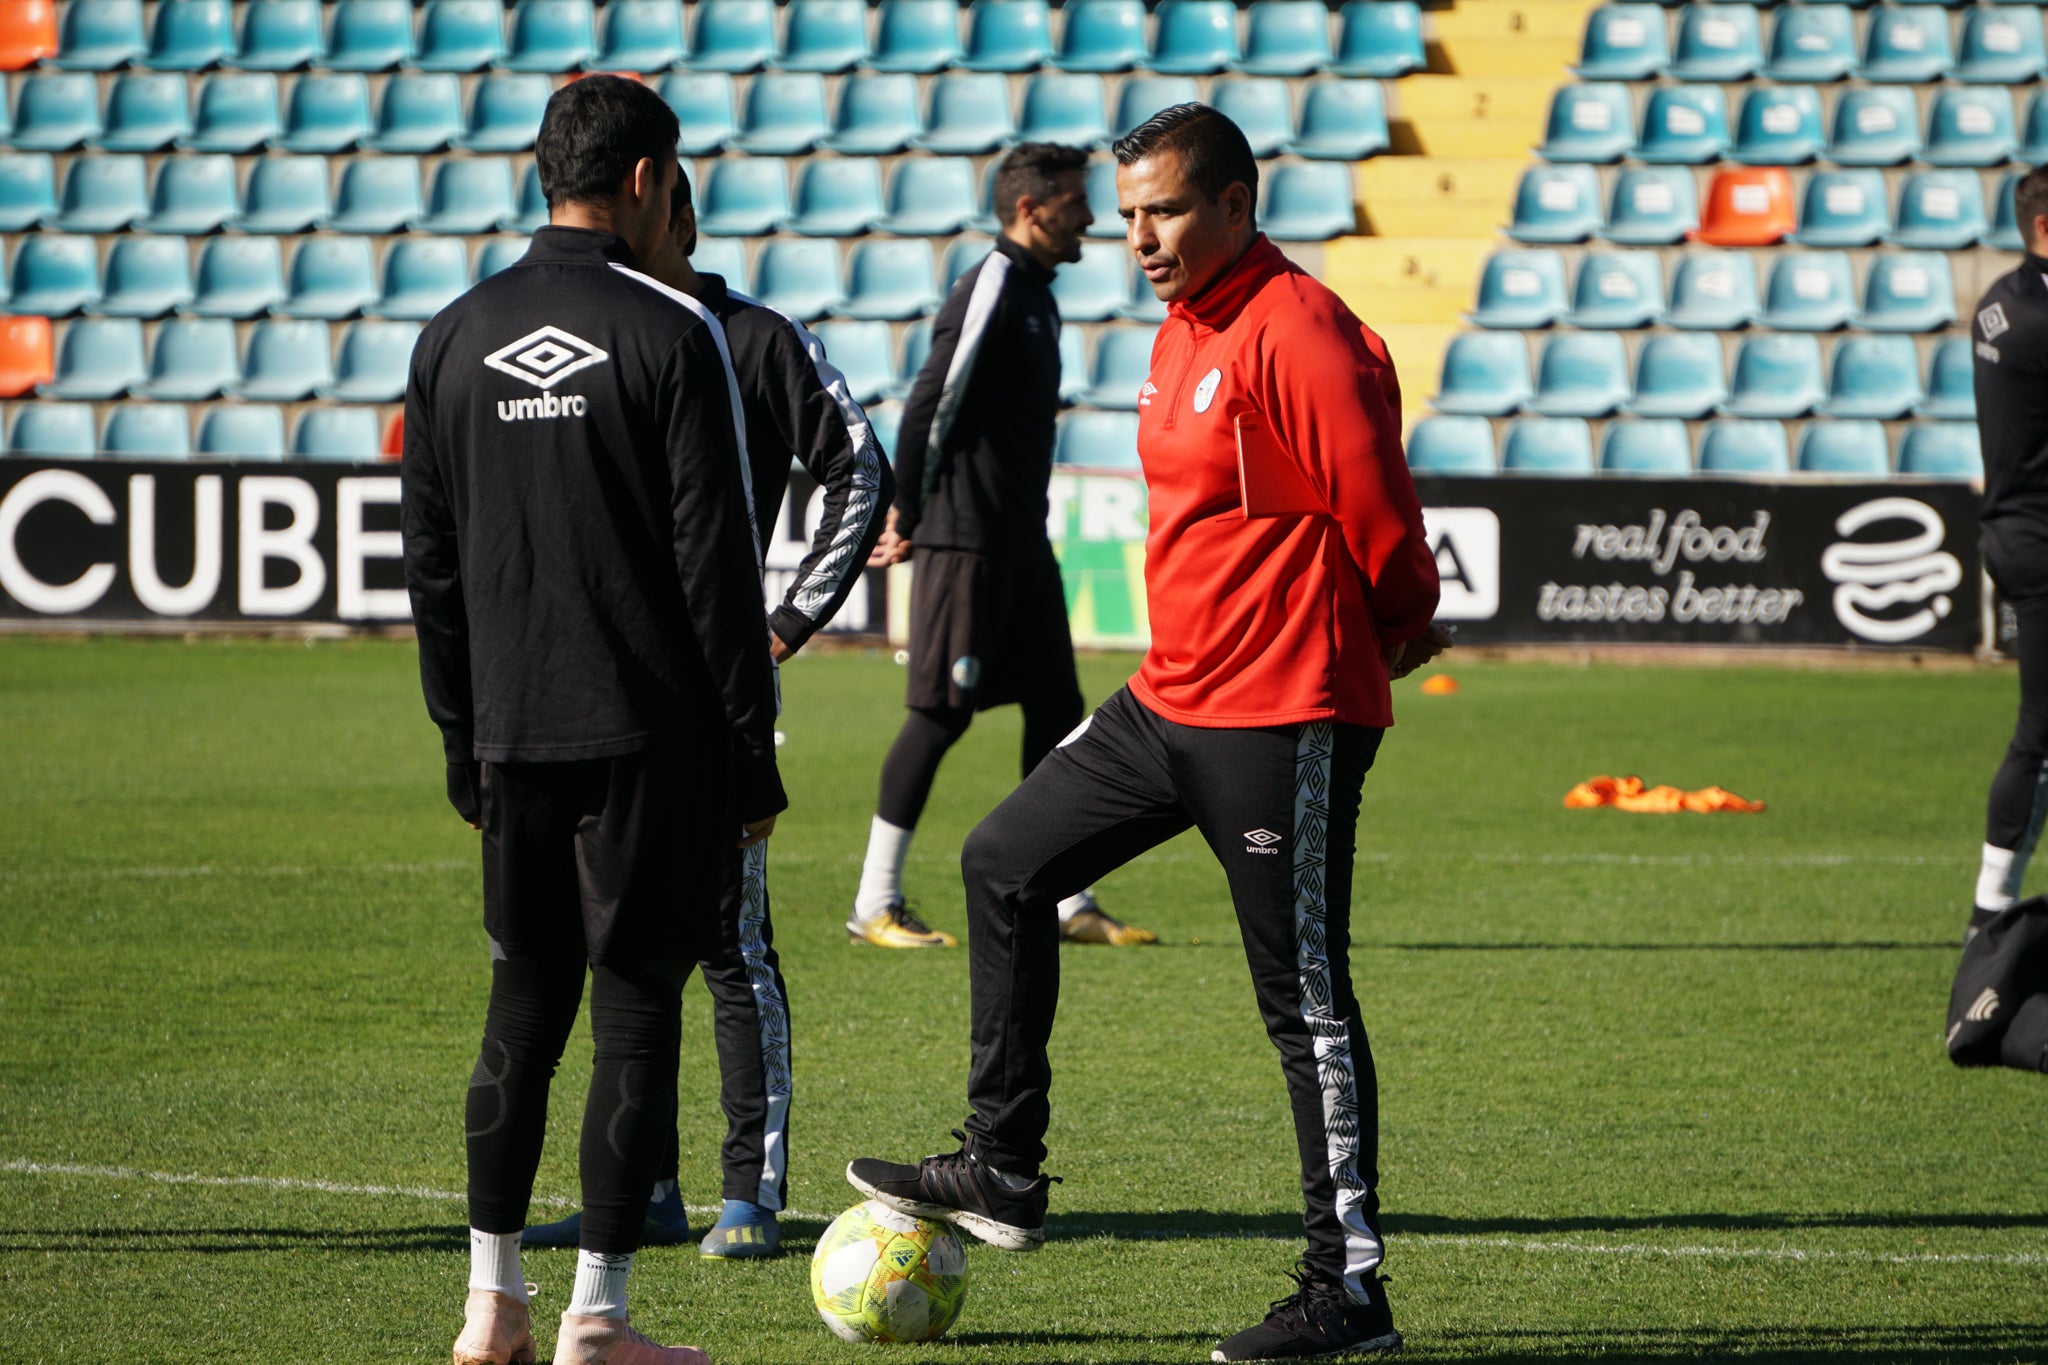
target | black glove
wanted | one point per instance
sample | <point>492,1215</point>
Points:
<point>465,791</point>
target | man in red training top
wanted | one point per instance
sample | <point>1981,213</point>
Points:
<point>1254,717</point>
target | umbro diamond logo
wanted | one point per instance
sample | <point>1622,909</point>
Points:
<point>546,357</point>
<point>1983,1007</point>
<point>1262,841</point>
<point>1992,322</point>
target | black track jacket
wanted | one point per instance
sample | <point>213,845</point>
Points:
<point>2011,336</point>
<point>583,576</point>
<point>974,453</point>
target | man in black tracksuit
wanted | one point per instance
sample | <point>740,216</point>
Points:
<point>586,591</point>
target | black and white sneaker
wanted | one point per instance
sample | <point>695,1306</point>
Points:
<point>960,1189</point>
<point>1317,1320</point>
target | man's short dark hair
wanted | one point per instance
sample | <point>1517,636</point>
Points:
<point>679,197</point>
<point>1033,168</point>
<point>594,132</point>
<point>2030,201</point>
<point>1213,151</point>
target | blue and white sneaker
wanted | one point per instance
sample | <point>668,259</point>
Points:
<point>744,1232</point>
<point>668,1224</point>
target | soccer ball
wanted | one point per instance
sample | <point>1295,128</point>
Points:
<point>880,1275</point>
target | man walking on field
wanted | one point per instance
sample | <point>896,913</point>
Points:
<point>1254,718</point>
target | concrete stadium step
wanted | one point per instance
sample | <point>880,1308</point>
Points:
<point>1408,196</point>
<point>1405,279</point>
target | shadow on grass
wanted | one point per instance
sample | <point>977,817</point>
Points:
<point>1196,1224</point>
<point>1965,1343</point>
<point>112,1241</point>
<point>1877,945</point>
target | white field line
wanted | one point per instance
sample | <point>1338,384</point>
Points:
<point>1452,1240</point>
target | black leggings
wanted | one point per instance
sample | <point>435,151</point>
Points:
<point>2019,791</point>
<point>913,762</point>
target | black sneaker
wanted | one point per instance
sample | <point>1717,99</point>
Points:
<point>1980,920</point>
<point>961,1190</point>
<point>1319,1319</point>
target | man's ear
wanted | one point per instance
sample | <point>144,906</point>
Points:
<point>645,179</point>
<point>688,234</point>
<point>1237,204</point>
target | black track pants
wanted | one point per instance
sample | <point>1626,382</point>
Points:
<point>2019,792</point>
<point>751,1019</point>
<point>1279,809</point>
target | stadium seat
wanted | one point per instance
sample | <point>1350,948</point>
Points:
<point>1873,377</point>
<point>784,114</point>
<point>638,35</point>
<point>929,197</point>
<point>967,114</point>
<point>1378,40</point>
<point>375,359</point>
<point>1521,290</point>
<point>28,354</point>
<point>800,278</point>
<point>1908,291</point>
<point>346,435</point>
<point>285,194</point>
<point>843,197</point>
<point>1307,202</point>
<point>1652,206</point>
<point>703,104</point>
<point>916,36</point>
<point>1144,305</point>
<point>505,113</point>
<point>2033,149</point>
<point>2001,45</point>
<point>877,115</point>
<point>531,212</point>
<point>1940,211</point>
<point>28,33</point>
<point>497,254</point>
<point>369,35</point>
<point>1716,43</point>
<point>1073,366</point>
<point>917,345</point>
<point>326,113</point>
<point>1582,374</point>
<point>1713,291</point>
<point>194,195</point>
<point>1097,287</point>
<point>2004,231</point>
<point>1970,127</point>
<point>1451,445</point>
<point>744,198</point>
<point>885,421</point>
<point>1905,46</point>
<point>394,436</point>
<point>1123,359</point>
<point>285,361</point>
<point>1657,446</point>
<point>1485,374</point>
<point>1193,37</point>
<point>1779,126</point>
<point>377,196</point>
<point>1747,206</point>
<point>725,257</point>
<point>1941,450</point>
<point>860,351</point>
<point>1854,447</point>
<point>1741,446</point>
<point>147,431</point>
<point>1286,38</point>
<point>1951,382</point>
<point>1067,107</point>
<point>99,35</point>
<point>732,35</point>
<point>1678,374</point>
<point>146,112</point>
<point>98,359</point>
<point>146,277</point>
<point>1617,290</point>
<point>418,113</point>
<point>55,276</point>
<point>1007,35</point>
<point>468,197</point>
<point>1101,35</point>
<point>1776,376</point>
<point>1342,121</point>
<point>237,277</point>
<point>825,36</point>
<point>460,35</point>
<point>1097,440</point>
<point>1140,97</point>
<point>1102,200</point>
<point>62,431</point>
<point>1548,445</point>
<point>1623,42</point>
<point>192,361</point>
<point>1259,106</point>
<point>1684,125</point>
<point>550,36</point>
<point>421,277</point>
<point>280,35</point>
<point>1874,127</point>
<point>1812,43</point>
<point>1842,208</point>
<point>103,194</point>
<point>237,114</point>
<point>192,35</point>
<point>1556,204</point>
<point>56,111</point>
<point>241,432</point>
<point>28,191</point>
<point>1810,292</point>
<point>889,281</point>
<point>1591,123</point>
<point>332,279</point>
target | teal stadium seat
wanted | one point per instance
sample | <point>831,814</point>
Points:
<point>1140,97</point>
<point>1623,42</point>
<point>784,114</point>
<point>929,197</point>
<point>732,35</point>
<point>418,113</point>
<point>1970,127</point>
<point>505,113</point>
<point>1108,226</point>
<point>1556,204</point>
<point>103,194</point>
<point>99,35</point>
<point>1776,376</point>
<point>98,359</point>
<point>62,431</point>
<point>241,432</point>
<point>192,361</point>
<point>917,36</point>
<point>2001,45</point>
<point>281,35</point>
<point>839,197</point>
<point>1874,126</point>
<point>1194,37</point>
<point>964,253</point>
<point>860,351</point>
<point>917,344</point>
<point>28,191</point>
<point>1067,107</point>
<point>1123,360</point>
<point>194,195</point>
<point>147,111</point>
<point>285,194</point>
<point>285,361</point>
<point>54,276</point>
<point>1073,366</point>
<point>1908,291</point>
<point>1582,374</point>
<point>192,35</point>
<point>374,361</point>
<point>1843,208</point>
<point>1261,107</point>
<point>1457,446</point>
<point>1657,446</point>
<point>1812,291</point>
<point>377,196</point>
<point>369,35</point>
<point>1779,126</point>
<point>2004,232</point>
<point>1097,440</point>
<point>146,277</point>
<point>422,275</point>
<point>237,277</point>
<point>468,197</point>
<point>1342,121</point>
<point>1652,206</point>
<point>1716,43</point>
<point>1617,290</point>
<point>341,435</point>
<point>877,115</point>
<point>460,35</point>
<point>801,278</point>
<point>238,114</point>
<point>56,111</point>
<point>1097,287</point>
<point>1854,447</point>
<point>1875,377</point>
<point>1101,35</point>
<point>967,114</point>
<point>889,281</point>
<point>1905,46</point>
<point>550,36</point>
<point>530,214</point>
<point>330,279</point>
<point>1286,38</point>
<point>2033,149</point>
<point>638,35</point>
<point>1007,35</point>
<point>1485,374</point>
<point>1591,123</point>
<point>1684,125</point>
<point>1713,291</point>
<point>326,113</point>
<point>1521,290</point>
<point>1743,446</point>
<point>725,257</point>
<point>1941,450</point>
<point>499,253</point>
<point>1144,305</point>
<point>1815,44</point>
<point>886,421</point>
<point>703,105</point>
<point>1307,202</point>
<point>1679,375</point>
<point>825,36</point>
<point>1548,445</point>
<point>1940,211</point>
<point>1378,40</point>
<point>147,431</point>
<point>1951,382</point>
<point>744,198</point>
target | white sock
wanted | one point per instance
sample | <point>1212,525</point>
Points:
<point>600,1285</point>
<point>881,872</point>
<point>494,1263</point>
<point>1076,903</point>
<point>1998,879</point>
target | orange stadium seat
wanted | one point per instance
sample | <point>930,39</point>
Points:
<point>1747,206</point>
<point>28,33</point>
<point>394,435</point>
<point>27,355</point>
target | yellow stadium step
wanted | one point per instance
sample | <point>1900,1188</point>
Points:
<point>1405,279</point>
<point>1508,20</point>
<point>1469,116</point>
<point>1418,351</point>
<point>1412,196</point>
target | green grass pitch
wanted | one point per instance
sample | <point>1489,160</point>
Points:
<point>1663,1088</point>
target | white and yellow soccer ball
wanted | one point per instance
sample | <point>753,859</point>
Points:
<point>880,1275</point>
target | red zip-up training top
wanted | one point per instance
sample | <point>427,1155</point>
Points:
<point>1276,621</point>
